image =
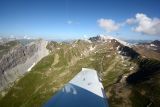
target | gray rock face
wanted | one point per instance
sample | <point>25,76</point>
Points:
<point>19,60</point>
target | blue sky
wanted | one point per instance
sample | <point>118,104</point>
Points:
<point>72,19</point>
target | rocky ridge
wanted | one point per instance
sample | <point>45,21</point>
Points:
<point>18,61</point>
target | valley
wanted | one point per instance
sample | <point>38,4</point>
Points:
<point>116,64</point>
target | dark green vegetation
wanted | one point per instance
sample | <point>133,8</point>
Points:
<point>142,87</point>
<point>147,68</point>
<point>66,60</point>
<point>146,83</point>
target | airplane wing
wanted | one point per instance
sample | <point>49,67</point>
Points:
<point>84,90</point>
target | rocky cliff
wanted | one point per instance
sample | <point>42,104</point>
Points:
<point>20,60</point>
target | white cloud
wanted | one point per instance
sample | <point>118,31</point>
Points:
<point>69,22</point>
<point>12,36</point>
<point>145,24</point>
<point>26,37</point>
<point>108,24</point>
<point>131,21</point>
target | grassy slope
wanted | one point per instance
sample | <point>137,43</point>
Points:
<point>61,65</point>
<point>146,85</point>
<point>53,71</point>
<point>142,86</point>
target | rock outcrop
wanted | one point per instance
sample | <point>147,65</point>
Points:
<point>20,60</point>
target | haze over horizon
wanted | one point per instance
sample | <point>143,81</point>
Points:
<point>72,19</point>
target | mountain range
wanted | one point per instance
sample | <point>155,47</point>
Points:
<point>31,71</point>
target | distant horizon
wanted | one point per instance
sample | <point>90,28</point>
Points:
<point>70,39</point>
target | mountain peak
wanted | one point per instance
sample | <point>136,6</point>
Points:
<point>104,38</point>
<point>156,42</point>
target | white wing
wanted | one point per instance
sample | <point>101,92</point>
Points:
<point>84,90</point>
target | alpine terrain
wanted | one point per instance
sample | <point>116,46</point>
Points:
<point>32,71</point>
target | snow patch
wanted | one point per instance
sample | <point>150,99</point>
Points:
<point>131,68</point>
<point>29,69</point>
<point>153,45</point>
<point>110,37</point>
<point>119,52</point>
<point>118,47</point>
<point>92,48</point>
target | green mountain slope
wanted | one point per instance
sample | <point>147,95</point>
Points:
<point>66,60</point>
